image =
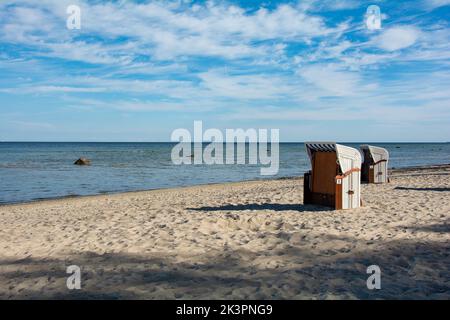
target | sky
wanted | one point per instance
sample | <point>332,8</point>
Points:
<point>137,70</point>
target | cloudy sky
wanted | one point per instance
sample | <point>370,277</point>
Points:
<point>137,70</point>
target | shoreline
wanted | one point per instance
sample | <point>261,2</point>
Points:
<point>69,197</point>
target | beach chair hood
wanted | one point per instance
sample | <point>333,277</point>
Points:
<point>377,153</point>
<point>348,158</point>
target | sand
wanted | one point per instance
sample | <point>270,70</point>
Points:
<point>248,240</point>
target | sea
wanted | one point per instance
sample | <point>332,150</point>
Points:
<point>31,171</point>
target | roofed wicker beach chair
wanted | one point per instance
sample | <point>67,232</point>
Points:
<point>375,166</point>
<point>335,178</point>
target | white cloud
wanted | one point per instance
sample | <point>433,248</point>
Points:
<point>432,4</point>
<point>51,89</point>
<point>163,30</point>
<point>397,38</point>
<point>32,124</point>
<point>331,80</point>
<point>221,84</point>
<point>330,5</point>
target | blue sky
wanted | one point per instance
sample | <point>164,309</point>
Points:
<point>137,70</point>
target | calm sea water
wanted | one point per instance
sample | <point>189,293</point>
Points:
<point>38,170</point>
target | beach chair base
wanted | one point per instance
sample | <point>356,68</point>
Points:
<point>369,176</point>
<point>323,199</point>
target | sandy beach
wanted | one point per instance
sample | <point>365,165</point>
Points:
<point>247,240</point>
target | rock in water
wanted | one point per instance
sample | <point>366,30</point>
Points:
<point>82,162</point>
